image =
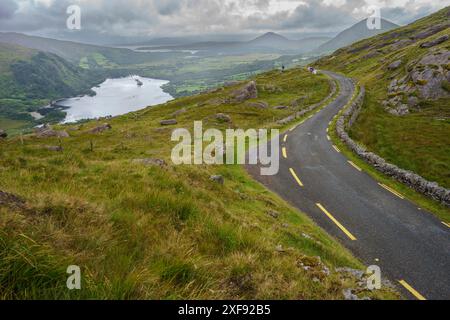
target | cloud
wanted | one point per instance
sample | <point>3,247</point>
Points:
<point>7,9</point>
<point>160,18</point>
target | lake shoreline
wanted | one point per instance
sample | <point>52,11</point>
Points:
<point>112,97</point>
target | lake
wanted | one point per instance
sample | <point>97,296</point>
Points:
<point>116,97</point>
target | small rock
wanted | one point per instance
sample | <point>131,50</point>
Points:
<point>11,200</point>
<point>273,214</point>
<point>394,65</point>
<point>279,248</point>
<point>223,117</point>
<point>306,236</point>
<point>54,148</point>
<point>150,162</point>
<point>348,295</point>
<point>259,104</point>
<point>3,134</point>
<point>169,122</point>
<point>218,179</point>
<point>101,128</point>
<point>179,112</point>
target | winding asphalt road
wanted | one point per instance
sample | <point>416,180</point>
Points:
<point>411,246</point>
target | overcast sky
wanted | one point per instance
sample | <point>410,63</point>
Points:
<point>109,20</point>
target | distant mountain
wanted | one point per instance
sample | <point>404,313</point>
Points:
<point>267,43</point>
<point>270,39</point>
<point>355,33</point>
<point>86,55</point>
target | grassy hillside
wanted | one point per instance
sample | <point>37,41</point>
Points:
<point>167,232</point>
<point>406,115</point>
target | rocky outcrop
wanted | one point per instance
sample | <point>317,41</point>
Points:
<point>249,91</point>
<point>301,113</point>
<point>425,80</point>
<point>47,132</point>
<point>434,42</point>
<point>3,134</point>
<point>411,179</point>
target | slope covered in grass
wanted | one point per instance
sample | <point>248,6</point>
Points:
<point>406,114</point>
<point>169,232</point>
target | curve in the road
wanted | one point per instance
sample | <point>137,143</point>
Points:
<point>378,225</point>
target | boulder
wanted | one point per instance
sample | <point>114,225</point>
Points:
<point>52,133</point>
<point>169,122</point>
<point>99,129</point>
<point>3,134</point>
<point>217,178</point>
<point>223,117</point>
<point>249,91</point>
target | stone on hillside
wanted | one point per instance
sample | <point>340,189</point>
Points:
<point>217,178</point>
<point>150,162</point>
<point>394,65</point>
<point>169,122</point>
<point>281,107</point>
<point>273,214</point>
<point>223,117</point>
<point>49,133</point>
<point>54,148</point>
<point>99,129</point>
<point>348,295</point>
<point>435,42</point>
<point>430,31</point>
<point>11,200</point>
<point>249,91</point>
<point>3,134</point>
<point>179,112</point>
<point>259,104</point>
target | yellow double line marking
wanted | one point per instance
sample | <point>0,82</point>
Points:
<point>329,215</point>
<point>285,138</point>
<point>412,290</point>
<point>296,177</point>
<point>336,148</point>
<point>391,191</point>
<point>446,224</point>
<point>355,166</point>
<point>284,152</point>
